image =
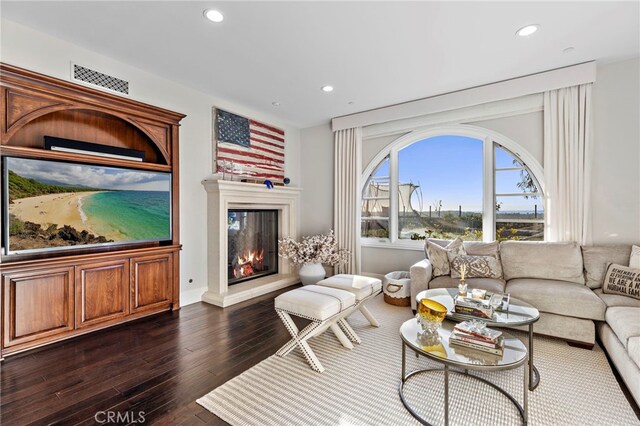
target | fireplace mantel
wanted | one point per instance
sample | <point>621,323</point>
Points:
<point>224,195</point>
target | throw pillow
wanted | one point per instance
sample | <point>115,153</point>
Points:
<point>477,266</point>
<point>438,255</point>
<point>622,280</point>
<point>634,260</point>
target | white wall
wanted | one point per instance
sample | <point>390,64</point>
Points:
<point>380,261</point>
<point>616,169</point>
<point>317,179</point>
<point>27,48</point>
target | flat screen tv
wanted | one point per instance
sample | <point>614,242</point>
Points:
<point>54,205</point>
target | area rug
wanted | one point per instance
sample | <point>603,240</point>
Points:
<point>360,386</point>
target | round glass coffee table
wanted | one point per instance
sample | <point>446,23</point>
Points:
<point>519,313</point>
<point>436,347</point>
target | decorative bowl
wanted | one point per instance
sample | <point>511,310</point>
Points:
<point>431,314</point>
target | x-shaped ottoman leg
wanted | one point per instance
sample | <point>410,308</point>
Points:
<point>367,314</point>
<point>344,325</point>
<point>299,339</point>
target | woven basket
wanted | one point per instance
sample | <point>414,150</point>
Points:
<point>397,288</point>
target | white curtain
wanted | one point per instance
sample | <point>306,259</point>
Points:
<point>567,163</point>
<point>347,195</point>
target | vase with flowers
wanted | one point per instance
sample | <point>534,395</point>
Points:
<point>311,253</point>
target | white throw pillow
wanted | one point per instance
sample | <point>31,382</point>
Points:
<point>438,255</point>
<point>634,260</point>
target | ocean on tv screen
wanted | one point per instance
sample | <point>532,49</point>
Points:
<point>55,204</point>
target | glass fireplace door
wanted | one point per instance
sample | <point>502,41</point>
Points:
<point>252,244</point>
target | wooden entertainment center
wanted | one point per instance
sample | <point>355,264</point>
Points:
<point>48,297</point>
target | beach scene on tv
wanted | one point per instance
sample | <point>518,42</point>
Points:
<point>55,205</point>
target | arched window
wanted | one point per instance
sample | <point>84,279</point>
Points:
<point>460,181</point>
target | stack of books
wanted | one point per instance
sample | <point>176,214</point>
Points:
<point>485,339</point>
<point>474,307</point>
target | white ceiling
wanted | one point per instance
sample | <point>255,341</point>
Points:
<point>373,53</point>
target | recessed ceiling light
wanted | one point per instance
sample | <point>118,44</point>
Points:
<point>275,104</point>
<point>568,50</point>
<point>528,30</point>
<point>213,15</point>
<point>327,89</point>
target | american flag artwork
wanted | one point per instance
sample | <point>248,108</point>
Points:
<point>256,147</point>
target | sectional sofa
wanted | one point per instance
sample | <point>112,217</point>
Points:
<point>564,282</point>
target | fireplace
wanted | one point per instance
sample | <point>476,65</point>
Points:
<point>252,239</point>
<point>227,197</point>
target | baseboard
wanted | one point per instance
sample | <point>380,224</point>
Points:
<point>188,297</point>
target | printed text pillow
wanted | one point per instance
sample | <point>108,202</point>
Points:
<point>622,280</point>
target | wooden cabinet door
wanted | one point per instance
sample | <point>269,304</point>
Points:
<point>151,282</point>
<point>37,305</point>
<point>102,292</point>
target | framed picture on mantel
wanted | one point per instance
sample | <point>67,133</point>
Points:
<point>247,147</point>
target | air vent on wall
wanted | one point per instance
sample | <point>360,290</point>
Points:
<point>100,80</point>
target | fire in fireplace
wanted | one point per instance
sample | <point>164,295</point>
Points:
<point>252,244</point>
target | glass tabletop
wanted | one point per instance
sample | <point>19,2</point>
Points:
<point>437,347</point>
<point>518,313</point>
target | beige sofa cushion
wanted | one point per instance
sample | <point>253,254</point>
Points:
<point>553,261</point>
<point>625,322</point>
<point>633,349</point>
<point>616,300</point>
<point>596,259</point>
<point>558,297</point>
<point>489,284</point>
<point>478,248</point>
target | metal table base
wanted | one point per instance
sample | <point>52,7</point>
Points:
<point>522,409</point>
<point>533,371</point>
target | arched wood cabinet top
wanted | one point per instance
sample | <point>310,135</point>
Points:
<point>34,104</point>
<point>82,290</point>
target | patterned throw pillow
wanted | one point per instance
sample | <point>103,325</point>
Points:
<point>438,255</point>
<point>622,280</point>
<point>477,266</point>
<point>634,260</point>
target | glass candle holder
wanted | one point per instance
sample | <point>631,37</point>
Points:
<point>462,288</point>
<point>432,343</point>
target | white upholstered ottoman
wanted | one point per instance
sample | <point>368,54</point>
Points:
<point>363,288</point>
<point>324,306</point>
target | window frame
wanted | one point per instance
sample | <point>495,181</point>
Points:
<point>489,139</point>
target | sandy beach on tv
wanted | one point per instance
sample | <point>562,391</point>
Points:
<point>56,205</point>
<point>59,209</point>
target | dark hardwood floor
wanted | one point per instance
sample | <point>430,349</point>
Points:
<point>157,365</point>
